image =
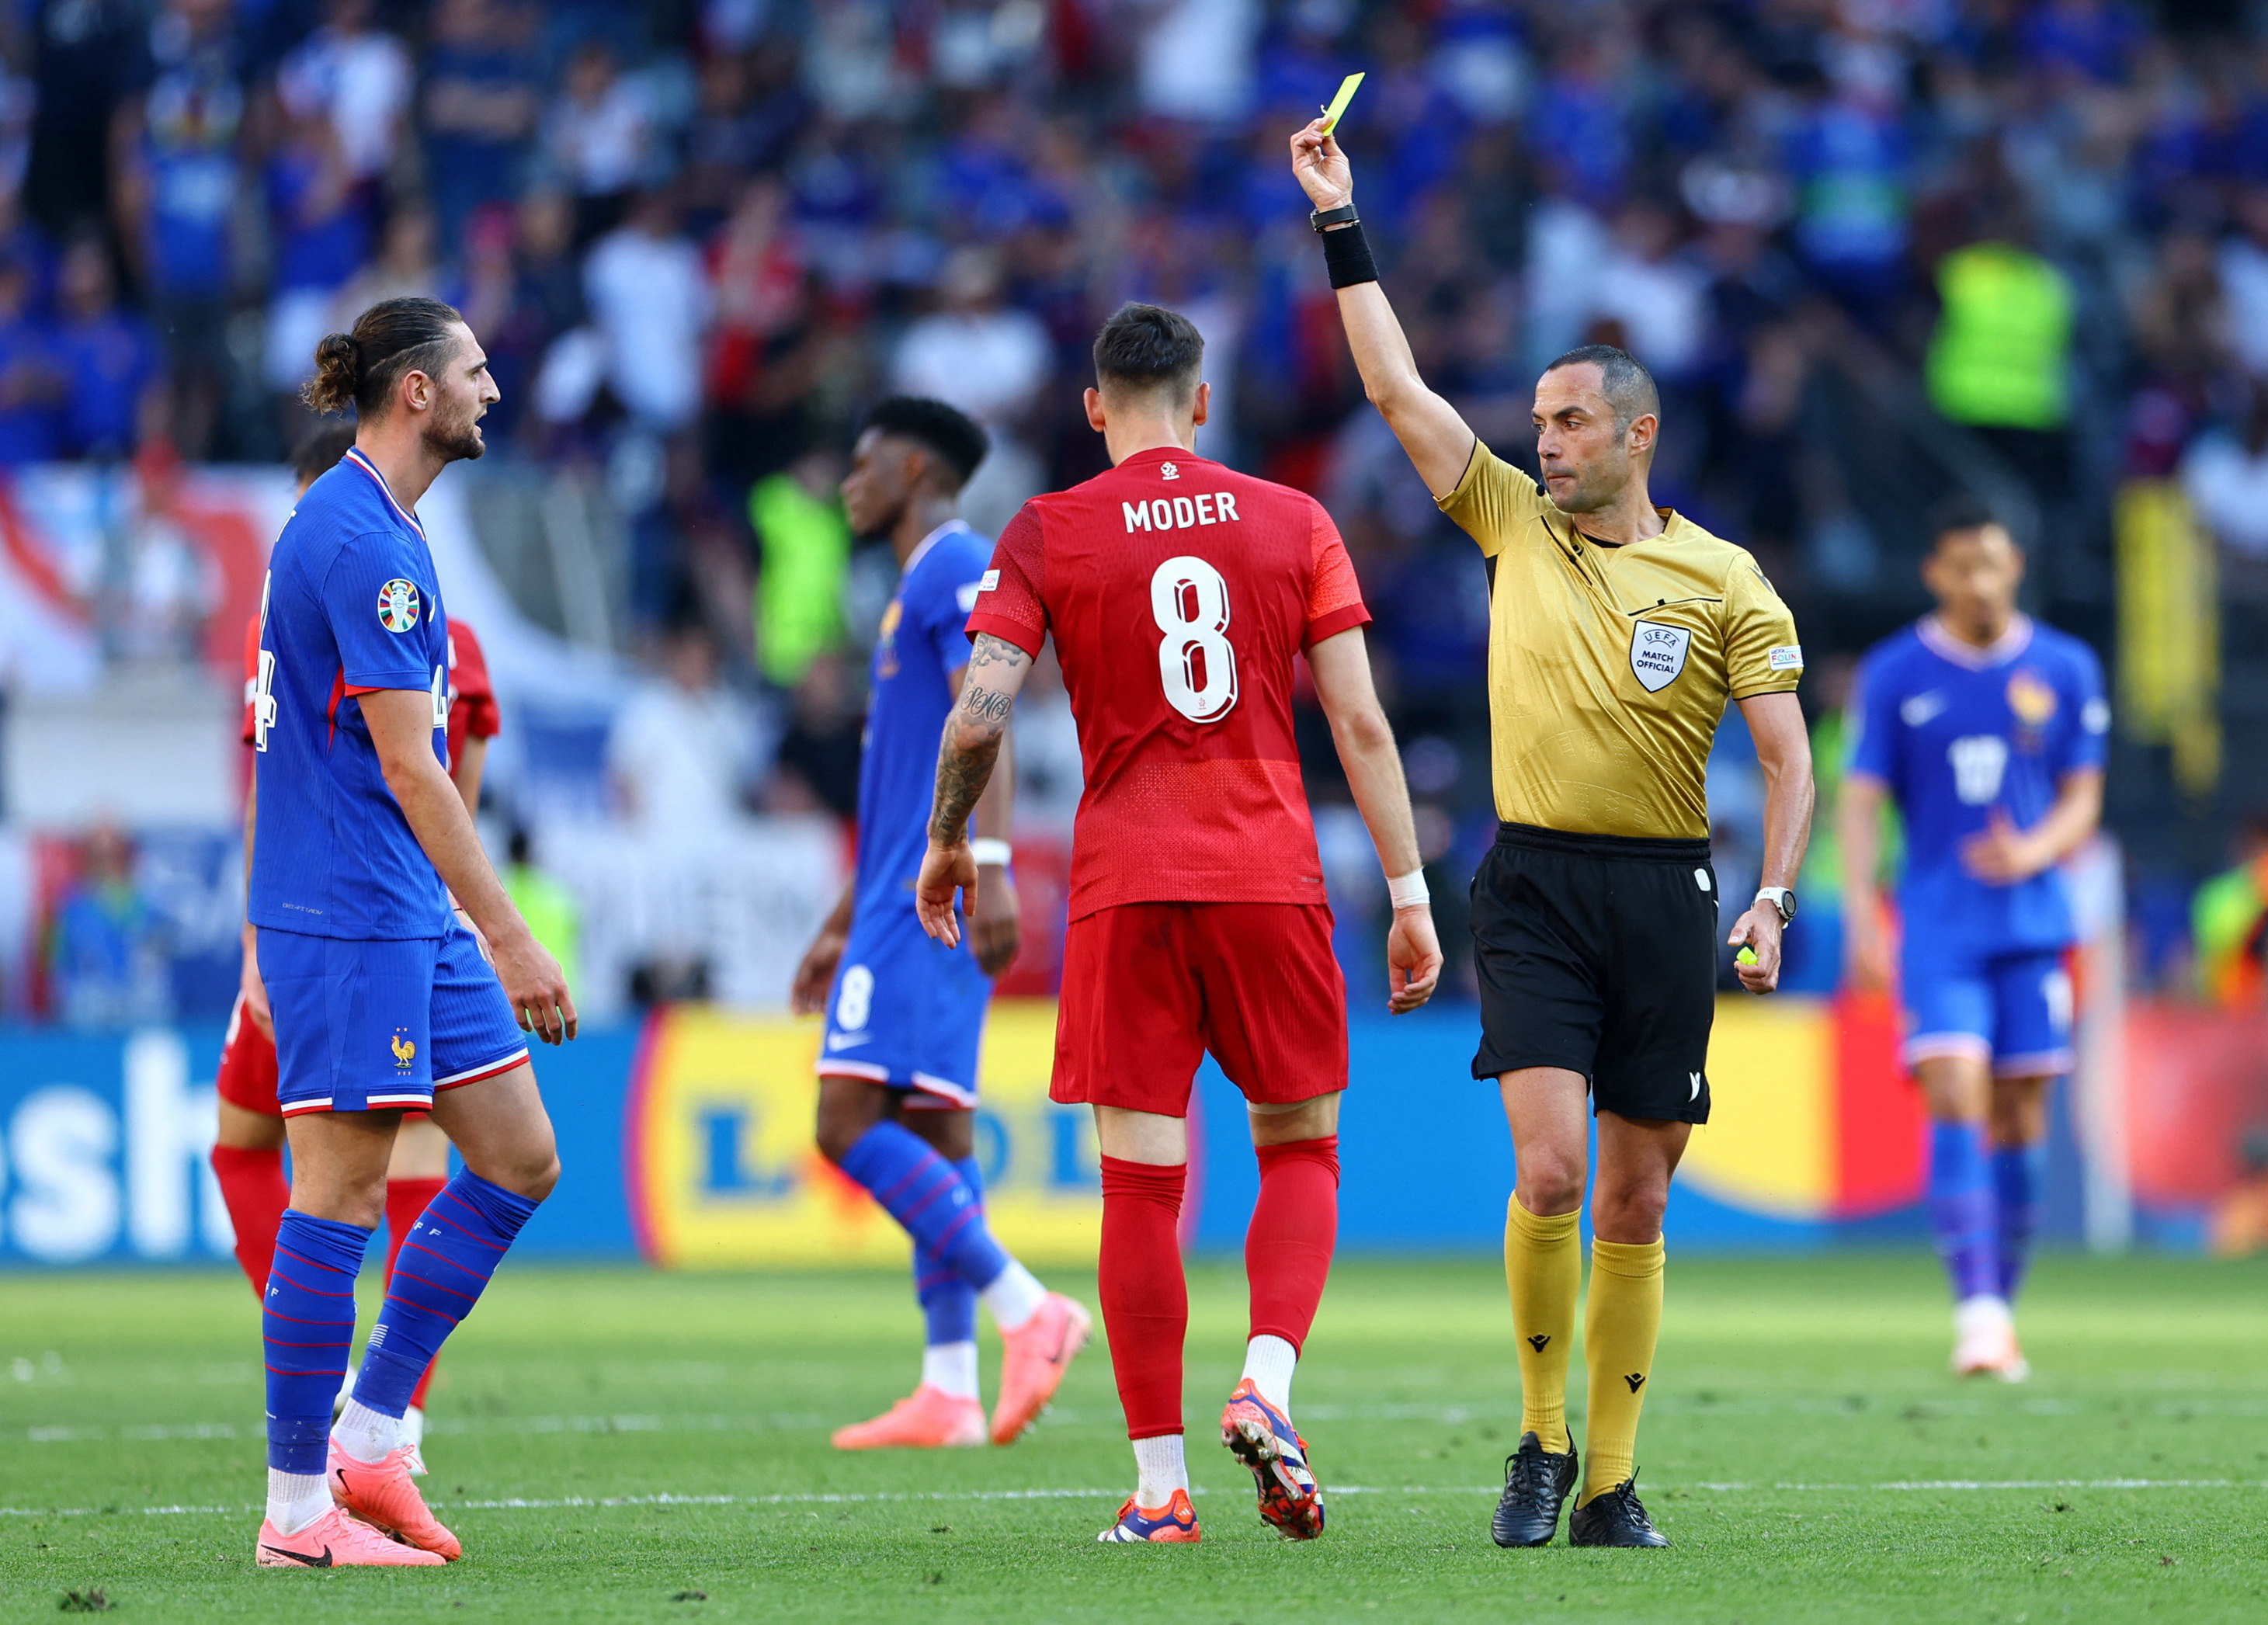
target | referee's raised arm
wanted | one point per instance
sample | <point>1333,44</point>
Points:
<point>1438,441</point>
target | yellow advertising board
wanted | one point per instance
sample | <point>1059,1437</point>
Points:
<point>724,1173</point>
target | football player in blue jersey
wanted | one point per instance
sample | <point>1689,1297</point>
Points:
<point>1987,730</point>
<point>897,1065</point>
<point>381,999</point>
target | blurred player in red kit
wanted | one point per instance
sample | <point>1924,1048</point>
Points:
<point>1179,593</point>
<point>248,1155</point>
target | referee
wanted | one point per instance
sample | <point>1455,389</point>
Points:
<point>1616,632</point>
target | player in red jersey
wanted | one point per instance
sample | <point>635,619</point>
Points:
<point>248,1155</point>
<point>1179,593</point>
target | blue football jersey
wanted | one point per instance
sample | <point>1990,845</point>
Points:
<point>352,602</point>
<point>923,641</point>
<point>1956,732</point>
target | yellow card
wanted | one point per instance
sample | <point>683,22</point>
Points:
<point>1337,109</point>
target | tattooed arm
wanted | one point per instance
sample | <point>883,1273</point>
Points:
<point>965,760</point>
<point>995,921</point>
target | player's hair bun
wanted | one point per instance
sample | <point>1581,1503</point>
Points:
<point>359,369</point>
<point>338,374</point>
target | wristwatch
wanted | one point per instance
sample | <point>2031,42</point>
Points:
<point>1323,219</point>
<point>1780,898</point>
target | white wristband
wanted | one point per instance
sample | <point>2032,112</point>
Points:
<point>991,852</point>
<point>1408,891</point>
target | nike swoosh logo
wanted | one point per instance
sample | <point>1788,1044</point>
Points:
<point>846,1040</point>
<point>324,1561</point>
<point>1696,1093</point>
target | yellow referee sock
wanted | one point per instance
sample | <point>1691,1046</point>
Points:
<point>1619,1327</point>
<point>1543,1270</point>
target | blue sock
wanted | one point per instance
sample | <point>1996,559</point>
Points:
<point>919,1188</point>
<point>1961,1209</point>
<point>453,1248</point>
<point>948,1303</point>
<point>307,1321</point>
<point>2016,1205</point>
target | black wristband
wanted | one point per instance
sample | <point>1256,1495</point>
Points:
<point>1346,257</point>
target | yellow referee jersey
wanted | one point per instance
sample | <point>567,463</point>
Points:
<point>1609,666</point>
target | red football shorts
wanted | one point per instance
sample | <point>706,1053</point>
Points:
<point>247,1066</point>
<point>1149,987</point>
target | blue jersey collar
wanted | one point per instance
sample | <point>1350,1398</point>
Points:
<point>922,548</point>
<point>1947,647</point>
<point>355,456</point>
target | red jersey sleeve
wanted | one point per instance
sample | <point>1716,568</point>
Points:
<point>251,675</point>
<point>1334,595</point>
<point>1008,602</point>
<point>469,686</point>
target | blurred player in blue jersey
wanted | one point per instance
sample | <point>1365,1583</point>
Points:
<point>1987,730</point>
<point>897,1067</point>
<point>381,1000</point>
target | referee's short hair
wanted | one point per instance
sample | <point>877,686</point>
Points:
<point>1622,380</point>
<point>1963,510</point>
<point>1147,347</point>
<point>954,438</point>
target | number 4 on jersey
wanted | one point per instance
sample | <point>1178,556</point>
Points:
<point>263,689</point>
<point>1196,661</point>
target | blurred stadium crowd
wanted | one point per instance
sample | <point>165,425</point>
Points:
<point>1876,251</point>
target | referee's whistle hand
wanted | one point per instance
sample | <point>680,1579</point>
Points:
<point>1413,960</point>
<point>945,870</point>
<point>1758,929</point>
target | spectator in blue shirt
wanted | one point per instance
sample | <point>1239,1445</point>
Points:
<point>480,102</point>
<point>179,168</point>
<point>112,380</point>
<point>28,370</point>
<point>322,230</point>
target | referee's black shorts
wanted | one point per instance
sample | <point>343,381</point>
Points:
<point>1598,953</point>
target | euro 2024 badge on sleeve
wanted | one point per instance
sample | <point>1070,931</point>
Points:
<point>398,605</point>
<point>1657,653</point>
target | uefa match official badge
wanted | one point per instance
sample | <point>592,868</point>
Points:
<point>398,605</point>
<point>1657,653</point>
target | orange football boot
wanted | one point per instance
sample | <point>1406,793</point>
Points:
<point>384,1494</point>
<point>1037,1355</point>
<point>928,1418</point>
<point>336,1540</point>
<point>1174,1524</point>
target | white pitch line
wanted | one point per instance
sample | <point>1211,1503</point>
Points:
<point>517,1503</point>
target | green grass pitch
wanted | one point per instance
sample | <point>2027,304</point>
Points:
<point>620,1446</point>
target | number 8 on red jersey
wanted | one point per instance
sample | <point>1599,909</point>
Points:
<point>1179,594</point>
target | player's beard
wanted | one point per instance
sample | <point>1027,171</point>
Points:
<point>453,440</point>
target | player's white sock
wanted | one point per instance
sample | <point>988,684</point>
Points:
<point>1269,1362</point>
<point>1162,1469</point>
<point>368,1436</point>
<point>413,1428</point>
<point>1014,1296</point>
<point>951,1368</point>
<point>296,1500</point>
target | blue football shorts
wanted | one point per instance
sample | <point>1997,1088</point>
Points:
<point>2013,1010</point>
<point>367,1026</point>
<point>906,1013</point>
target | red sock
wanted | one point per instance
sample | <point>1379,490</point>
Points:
<point>405,1200</point>
<point>1145,1300</point>
<point>252,1188</point>
<point>1287,1249</point>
